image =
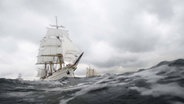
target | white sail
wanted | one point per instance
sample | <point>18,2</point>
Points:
<point>49,46</point>
<point>44,59</point>
<point>56,42</point>
<point>90,72</point>
<point>58,54</point>
<point>55,32</point>
<point>70,51</point>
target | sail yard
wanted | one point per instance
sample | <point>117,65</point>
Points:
<point>57,52</point>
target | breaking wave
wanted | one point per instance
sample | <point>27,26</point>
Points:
<point>161,84</point>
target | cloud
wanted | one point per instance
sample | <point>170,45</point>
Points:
<point>127,33</point>
<point>21,60</point>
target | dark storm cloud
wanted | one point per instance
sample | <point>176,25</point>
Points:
<point>142,27</point>
<point>136,40</point>
<point>128,33</point>
<point>132,33</point>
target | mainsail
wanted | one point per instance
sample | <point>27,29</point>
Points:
<point>56,48</point>
<point>57,42</point>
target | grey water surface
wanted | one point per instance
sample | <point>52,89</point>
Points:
<point>160,84</point>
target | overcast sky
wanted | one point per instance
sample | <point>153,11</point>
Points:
<point>116,35</point>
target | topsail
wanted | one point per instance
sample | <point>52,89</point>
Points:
<point>57,54</point>
<point>56,42</point>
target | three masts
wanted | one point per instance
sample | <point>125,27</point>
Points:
<point>57,54</point>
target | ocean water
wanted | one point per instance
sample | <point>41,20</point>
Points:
<point>161,84</point>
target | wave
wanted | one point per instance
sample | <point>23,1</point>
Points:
<point>161,84</point>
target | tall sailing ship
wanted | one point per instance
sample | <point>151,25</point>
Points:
<point>57,55</point>
<point>90,72</point>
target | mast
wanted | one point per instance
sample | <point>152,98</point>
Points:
<point>45,69</point>
<point>57,49</point>
<point>51,68</point>
<point>90,72</point>
<point>57,26</point>
<point>60,57</point>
